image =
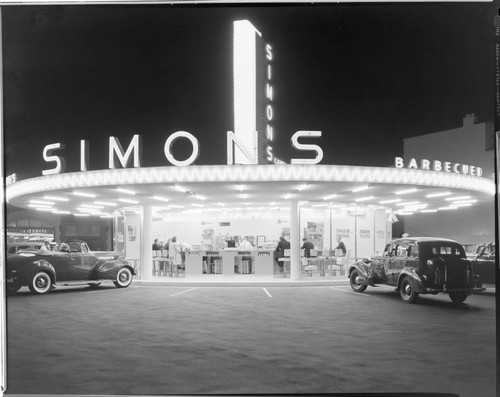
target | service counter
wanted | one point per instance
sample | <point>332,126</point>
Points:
<point>229,262</point>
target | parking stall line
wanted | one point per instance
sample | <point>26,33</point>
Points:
<point>267,292</point>
<point>183,292</point>
<point>350,292</point>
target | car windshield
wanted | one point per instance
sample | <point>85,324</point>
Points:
<point>438,248</point>
<point>74,246</point>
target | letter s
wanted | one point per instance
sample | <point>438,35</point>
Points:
<point>301,146</point>
<point>60,161</point>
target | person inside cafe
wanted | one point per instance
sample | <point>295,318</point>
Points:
<point>279,252</point>
<point>245,245</point>
<point>340,247</point>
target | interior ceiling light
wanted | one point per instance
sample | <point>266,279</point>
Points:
<point>81,215</point>
<point>390,201</point>
<point>176,206</point>
<point>61,212</point>
<point>441,194</point>
<point>42,202</point>
<point>160,198</point>
<point>56,198</point>
<point>124,200</point>
<point>105,203</point>
<point>126,191</point>
<point>330,197</point>
<point>83,194</point>
<point>408,203</point>
<point>288,196</point>
<point>180,188</point>
<point>458,198</point>
<point>360,189</point>
<point>91,206</point>
<point>364,198</point>
<point>447,208</point>
<point>472,201</point>
<point>303,187</point>
<point>428,211</point>
<point>406,191</point>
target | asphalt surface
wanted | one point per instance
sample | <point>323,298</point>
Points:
<point>153,339</point>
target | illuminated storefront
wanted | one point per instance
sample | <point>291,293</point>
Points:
<point>254,195</point>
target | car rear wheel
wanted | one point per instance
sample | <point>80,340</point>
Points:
<point>407,292</point>
<point>355,284</point>
<point>41,283</point>
<point>458,297</point>
<point>123,278</point>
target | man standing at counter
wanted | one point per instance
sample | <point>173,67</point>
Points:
<point>307,246</point>
<point>340,247</point>
<point>283,244</point>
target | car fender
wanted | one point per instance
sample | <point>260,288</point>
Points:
<point>26,273</point>
<point>415,279</point>
<point>365,272</point>
<point>108,269</point>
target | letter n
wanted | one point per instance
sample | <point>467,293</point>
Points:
<point>234,143</point>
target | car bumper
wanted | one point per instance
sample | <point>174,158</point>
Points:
<point>431,290</point>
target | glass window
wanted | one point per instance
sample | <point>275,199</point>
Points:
<point>413,251</point>
<point>402,251</point>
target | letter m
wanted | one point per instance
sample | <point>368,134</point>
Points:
<point>115,148</point>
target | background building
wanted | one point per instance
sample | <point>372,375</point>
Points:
<point>471,143</point>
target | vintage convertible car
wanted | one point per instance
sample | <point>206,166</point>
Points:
<point>484,263</point>
<point>73,265</point>
<point>422,265</point>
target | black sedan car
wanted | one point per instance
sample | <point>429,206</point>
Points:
<point>484,263</point>
<point>422,265</point>
<point>74,264</point>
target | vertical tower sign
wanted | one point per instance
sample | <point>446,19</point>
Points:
<point>253,96</point>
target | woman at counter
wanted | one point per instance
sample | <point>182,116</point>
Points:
<point>174,253</point>
<point>245,245</point>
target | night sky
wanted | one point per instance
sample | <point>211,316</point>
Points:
<point>365,75</point>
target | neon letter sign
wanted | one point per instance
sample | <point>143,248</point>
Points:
<point>168,145</point>
<point>115,147</point>
<point>60,161</point>
<point>302,146</point>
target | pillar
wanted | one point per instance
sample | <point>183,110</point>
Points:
<point>294,240</point>
<point>147,243</point>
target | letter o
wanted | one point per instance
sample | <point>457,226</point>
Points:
<point>194,155</point>
<point>269,112</point>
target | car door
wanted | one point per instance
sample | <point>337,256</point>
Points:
<point>484,265</point>
<point>397,263</point>
<point>80,262</point>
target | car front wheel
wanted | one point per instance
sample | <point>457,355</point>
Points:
<point>123,278</point>
<point>355,284</point>
<point>41,283</point>
<point>458,297</point>
<point>407,292</point>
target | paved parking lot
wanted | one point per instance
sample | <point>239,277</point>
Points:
<point>194,339</point>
